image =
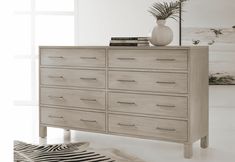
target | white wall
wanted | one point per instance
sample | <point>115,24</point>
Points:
<point>222,96</point>
<point>99,20</point>
<point>209,13</point>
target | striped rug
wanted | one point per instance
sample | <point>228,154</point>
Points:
<point>72,152</point>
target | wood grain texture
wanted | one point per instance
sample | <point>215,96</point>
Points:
<point>150,59</point>
<point>188,151</point>
<point>73,118</point>
<point>148,104</point>
<point>142,126</point>
<point>148,81</point>
<point>73,77</point>
<point>42,131</point>
<point>198,91</point>
<point>204,143</point>
<point>73,98</point>
<point>73,57</point>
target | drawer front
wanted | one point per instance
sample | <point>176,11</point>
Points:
<point>72,118</point>
<point>74,98</point>
<point>73,57</point>
<point>148,81</point>
<point>148,104</point>
<point>153,59</point>
<point>73,77</point>
<point>148,127</point>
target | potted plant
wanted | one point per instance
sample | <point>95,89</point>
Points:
<point>162,34</point>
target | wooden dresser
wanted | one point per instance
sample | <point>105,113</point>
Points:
<point>146,92</point>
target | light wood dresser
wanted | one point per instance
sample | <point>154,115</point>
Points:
<point>147,92</point>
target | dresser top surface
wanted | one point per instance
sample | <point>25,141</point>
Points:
<point>125,47</point>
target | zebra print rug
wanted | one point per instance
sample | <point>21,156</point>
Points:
<point>72,152</point>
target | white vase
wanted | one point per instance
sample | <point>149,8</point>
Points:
<point>162,35</point>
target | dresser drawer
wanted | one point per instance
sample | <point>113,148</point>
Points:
<point>148,81</point>
<point>73,57</point>
<point>73,77</point>
<point>148,127</point>
<point>72,118</point>
<point>148,104</point>
<point>153,59</point>
<point>74,98</point>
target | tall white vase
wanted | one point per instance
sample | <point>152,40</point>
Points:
<point>162,35</point>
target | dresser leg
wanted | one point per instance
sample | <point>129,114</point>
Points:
<point>67,136</point>
<point>43,141</point>
<point>42,131</point>
<point>204,142</point>
<point>188,151</point>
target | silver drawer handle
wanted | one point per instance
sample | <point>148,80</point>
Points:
<point>86,99</point>
<point>56,77</point>
<point>88,78</point>
<point>165,59</point>
<point>89,121</point>
<point>159,82</point>
<point>170,106</point>
<point>127,103</point>
<point>125,58</point>
<point>126,125</point>
<point>166,129</point>
<point>57,117</point>
<point>123,80</point>
<point>56,57</point>
<point>88,58</point>
<point>57,97</point>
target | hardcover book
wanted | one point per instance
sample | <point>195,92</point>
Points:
<point>130,38</point>
<point>129,44</point>
<point>130,41</point>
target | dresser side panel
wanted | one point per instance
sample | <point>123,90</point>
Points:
<point>198,93</point>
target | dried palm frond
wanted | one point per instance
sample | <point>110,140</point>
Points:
<point>165,10</point>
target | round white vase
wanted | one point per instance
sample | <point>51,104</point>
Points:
<point>162,35</point>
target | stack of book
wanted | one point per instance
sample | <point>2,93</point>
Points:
<point>129,41</point>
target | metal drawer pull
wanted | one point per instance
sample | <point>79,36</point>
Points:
<point>56,57</point>
<point>90,121</point>
<point>127,103</point>
<point>123,80</point>
<point>166,129</point>
<point>126,125</point>
<point>57,117</point>
<point>165,59</point>
<point>165,105</point>
<point>165,82</point>
<point>88,78</point>
<point>88,58</point>
<point>57,97</point>
<point>86,99</point>
<point>55,77</point>
<point>125,58</point>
